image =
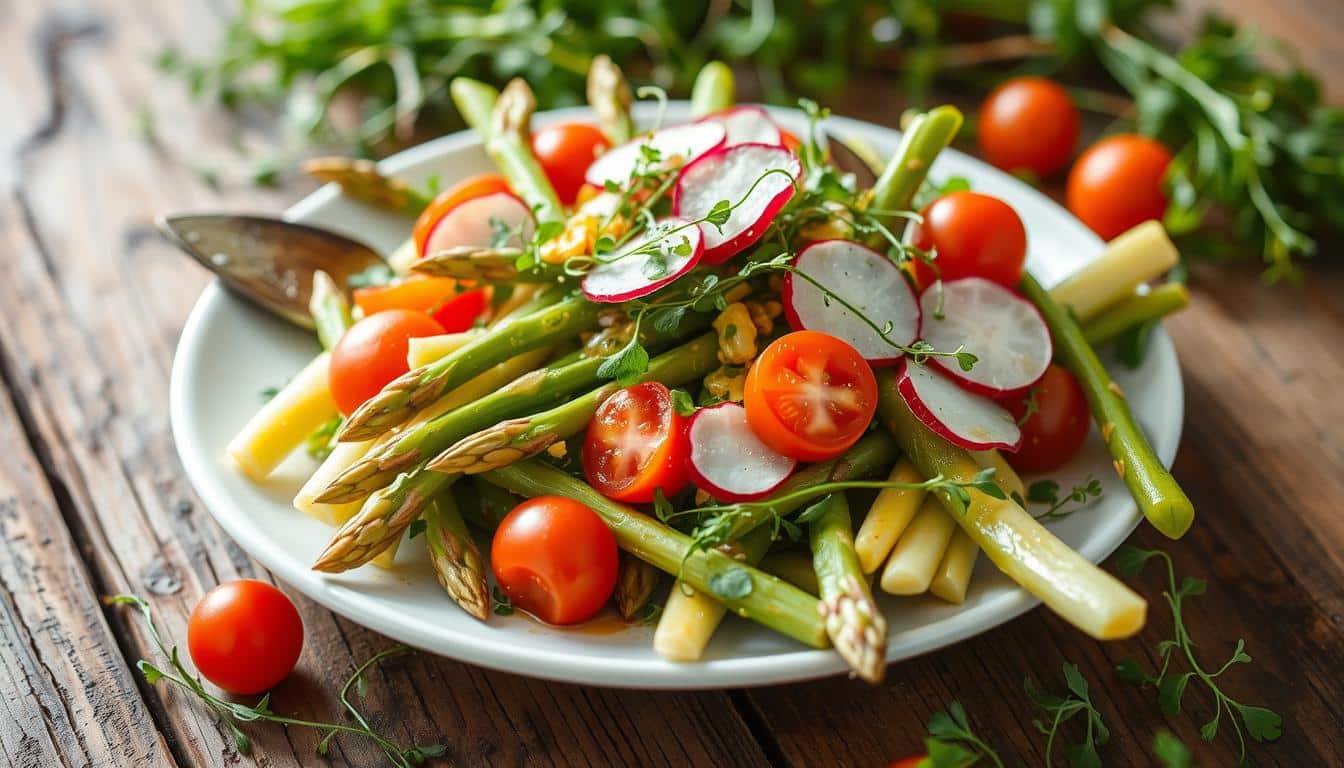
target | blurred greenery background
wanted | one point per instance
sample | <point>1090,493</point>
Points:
<point>1257,149</point>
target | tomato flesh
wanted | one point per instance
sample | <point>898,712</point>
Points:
<point>565,150</point>
<point>1117,184</point>
<point>1028,124</point>
<point>469,188</point>
<point>974,235</point>
<point>810,396</point>
<point>637,444</point>
<point>555,558</point>
<point>1057,426</point>
<point>245,636</point>
<point>373,353</point>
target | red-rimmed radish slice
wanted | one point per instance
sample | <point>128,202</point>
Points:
<point>864,279</point>
<point>966,419</point>
<point>473,223</point>
<point>742,176</point>
<point>676,145</point>
<point>1003,330</point>
<point>747,124</point>
<point>652,259</point>
<point>728,461</point>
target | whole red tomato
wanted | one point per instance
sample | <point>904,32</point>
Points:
<point>245,636</point>
<point>1054,419</point>
<point>565,150</point>
<point>1028,124</point>
<point>373,353</point>
<point>1117,184</point>
<point>974,235</point>
<point>555,558</point>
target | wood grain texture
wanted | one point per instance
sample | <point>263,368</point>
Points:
<point>93,501</point>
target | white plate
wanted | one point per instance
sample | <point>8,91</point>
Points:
<point>229,352</point>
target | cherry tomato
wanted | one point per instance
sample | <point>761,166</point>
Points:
<point>373,353</point>
<point>565,150</point>
<point>810,396</point>
<point>1117,184</point>
<point>245,636</point>
<point>555,559</point>
<point>1028,124</point>
<point>637,444</point>
<point>472,187</point>
<point>975,235</point>
<point>914,761</point>
<point>1057,426</point>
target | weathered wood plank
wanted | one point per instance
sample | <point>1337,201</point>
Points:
<point>94,303</point>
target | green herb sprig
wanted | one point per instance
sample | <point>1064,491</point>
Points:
<point>1260,723</point>
<point>1046,492</point>
<point>1060,709</point>
<point>234,714</point>
<point>953,744</point>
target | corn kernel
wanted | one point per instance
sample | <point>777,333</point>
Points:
<point>737,334</point>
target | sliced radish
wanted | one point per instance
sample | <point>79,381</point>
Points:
<point>654,258</point>
<point>676,145</point>
<point>728,461</point>
<point>864,279</point>
<point>738,175</point>
<point>747,125</point>
<point>1003,330</point>
<point>473,223</point>
<point>969,420</point>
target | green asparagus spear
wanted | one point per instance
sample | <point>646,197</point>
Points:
<point>455,557</point>
<point>492,265</point>
<point>330,310</point>
<point>1154,489</point>
<point>713,89</point>
<point>794,567</point>
<point>927,135</point>
<point>361,179</point>
<point>503,122</point>
<point>609,96</point>
<point>1157,303</point>
<point>857,628</point>
<point>516,439</point>
<point>407,395</point>
<point>743,589</point>
<point>382,520</point>
<point>527,394</point>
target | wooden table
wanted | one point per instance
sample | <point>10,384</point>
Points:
<point>93,502</point>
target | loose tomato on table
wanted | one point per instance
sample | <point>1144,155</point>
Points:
<point>565,150</point>
<point>555,558</point>
<point>1117,184</point>
<point>245,636</point>
<point>914,761</point>
<point>810,396</point>
<point>637,444</point>
<point>1028,124</point>
<point>974,235</point>
<point>470,188</point>
<point>373,353</point>
<point>442,298</point>
<point>1054,419</point>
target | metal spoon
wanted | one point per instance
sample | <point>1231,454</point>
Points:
<point>268,261</point>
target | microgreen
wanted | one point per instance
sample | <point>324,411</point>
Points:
<point>1060,709</point>
<point>500,604</point>
<point>233,714</point>
<point>320,443</point>
<point>731,584</point>
<point>952,743</point>
<point>682,403</point>
<point>1170,751</point>
<point>1260,723</point>
<point>267,394</point>
<point>1046,492</point>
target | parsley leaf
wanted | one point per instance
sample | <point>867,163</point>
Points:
<point>731,584</point>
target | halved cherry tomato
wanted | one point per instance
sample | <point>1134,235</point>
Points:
<point>245,636</point>
<point>1057,424</point>
<point>1117,183</point>
<point>1028,124</point>
<point>472,187</point>
<point>418,292</point>
<point>974,235</point>
<point>810,396</point>
<point>555,558</point>
<point>565,150</point>
<point>373,353</point>
<point>637,444</point>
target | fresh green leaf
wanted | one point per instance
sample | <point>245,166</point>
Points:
<point>500,604</point>
<point>1043,492</point>
<point>626,365</point>
<point>731,584</point>
<point>1129,560</point>
<point>151,673</point>
<point>1170,691</point>
<point>812,512</point>
<point>682,403</point>
<point>1171,752</point>
<point>1262,724</point>
<point>267,394</point>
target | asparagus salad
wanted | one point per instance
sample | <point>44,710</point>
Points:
<point>706,351</point>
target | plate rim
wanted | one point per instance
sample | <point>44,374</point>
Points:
<point>482,650</point>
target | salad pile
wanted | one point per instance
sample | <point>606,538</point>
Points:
<point>699,349</point>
